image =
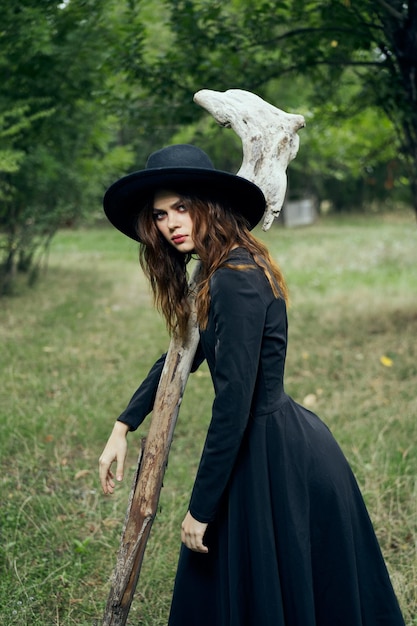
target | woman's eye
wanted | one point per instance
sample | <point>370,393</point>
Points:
<point>158,215</point>
<point>181,208</point>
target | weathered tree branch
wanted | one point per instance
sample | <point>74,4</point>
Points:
<point>147,484</point>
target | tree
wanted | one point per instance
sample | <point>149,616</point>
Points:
<point>59,120</point>
<point>366,48</point>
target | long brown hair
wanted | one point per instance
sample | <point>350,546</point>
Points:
<point>216,230</point>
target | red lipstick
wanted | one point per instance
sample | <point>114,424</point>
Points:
<point>178,238</point>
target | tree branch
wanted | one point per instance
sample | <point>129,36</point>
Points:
<point>390,9</point>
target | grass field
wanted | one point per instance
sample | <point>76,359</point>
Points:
<point>73,349</point>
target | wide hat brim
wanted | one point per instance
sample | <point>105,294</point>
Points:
<point>124,200</point>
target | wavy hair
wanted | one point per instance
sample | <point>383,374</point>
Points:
<point>216,231</point>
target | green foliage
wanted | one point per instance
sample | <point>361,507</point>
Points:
<point>354,64</point>
<point>11,124</point>
<point>58,117</point>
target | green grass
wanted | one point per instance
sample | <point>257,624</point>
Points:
<point>74,349</point>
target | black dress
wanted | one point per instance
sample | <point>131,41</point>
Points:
<point>290,540</point>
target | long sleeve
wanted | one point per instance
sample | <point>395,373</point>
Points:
<point>142,401</point>
<point>237,315</point>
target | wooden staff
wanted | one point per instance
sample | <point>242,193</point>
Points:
<point>147,482</point>
<point>269,142</point>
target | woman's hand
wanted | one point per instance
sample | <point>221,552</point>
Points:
<point>192,534</point>
<point>115,450</point>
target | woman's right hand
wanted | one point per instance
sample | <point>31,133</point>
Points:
<point>115,450</point>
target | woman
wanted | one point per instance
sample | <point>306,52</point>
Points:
<point>277,533</point>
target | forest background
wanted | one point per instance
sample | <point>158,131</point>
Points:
<point>88,89</point>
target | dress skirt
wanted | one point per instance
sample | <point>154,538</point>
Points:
<point>292,543</point>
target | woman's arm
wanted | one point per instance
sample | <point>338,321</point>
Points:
<point>138,408</point>
<point>238,311</point>
<point>142,401</point>
<point>140,405</point>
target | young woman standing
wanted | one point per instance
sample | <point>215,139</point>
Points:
<point>277,533</point>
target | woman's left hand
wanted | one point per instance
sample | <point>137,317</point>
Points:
<point>192,534</point>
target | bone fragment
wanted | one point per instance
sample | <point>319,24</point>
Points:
<point>269,140</point>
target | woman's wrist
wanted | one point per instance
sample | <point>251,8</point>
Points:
<point>120,428</point>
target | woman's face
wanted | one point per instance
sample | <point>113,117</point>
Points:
<point>173,220</point>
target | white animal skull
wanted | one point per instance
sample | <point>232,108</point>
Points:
<point>269,140</point>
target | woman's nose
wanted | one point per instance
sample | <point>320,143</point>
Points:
<point>172,220</point>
